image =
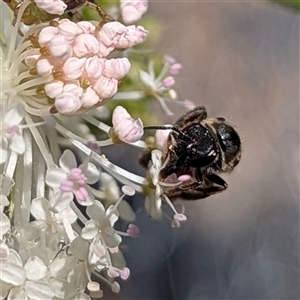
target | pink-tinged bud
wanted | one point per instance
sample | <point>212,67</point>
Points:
<point>116,68</point>
<point>94,67</point>
<point>128,190</point>
<point>133,230</point>
<point>67,103</point>
<point>59,47</point>
<point>73,88</point>
<point>47,34</point>
<point>86,26</point>
<point>106,87</point>
<point>85,45</point>
<point>44,67</point>
<point>175,68</point>
<point>161,139</point>
<point>169,60</point>
<point>132,11</point>
<point>31,60</point>
<point>111,32</point>
<point>125,127</point>
<point>189,105</point>
<point>113,272</point>
<point>124,274</point>
<point>184,177</point>
<point>168,81</point>
<point>89,98</point>
<point>54,88</point>
<point>180,217</point>
<point>69,29</point>
<point>54,7</point>
<point>135,35</point>
<point>93,286</point>
<point>74,67</point>
<point>105,50</point>
<point>81,194</point>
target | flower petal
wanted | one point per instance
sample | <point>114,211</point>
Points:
<point>60,201</point>
<point>55,176</point>
<point>38,290</point>
<point>35,268</point>
<point>40,208</point>
<point>67,160</point>
<point>91,172</point>
<point>90,230</point>
<point>96,211</point>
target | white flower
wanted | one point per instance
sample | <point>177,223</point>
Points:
<point>155,196</point>
<point>111,191</point>
<point>10,131</point>
<point>26,281</point>
<point>153,200</point>
<point>102,223</point>
<point>70,180</point>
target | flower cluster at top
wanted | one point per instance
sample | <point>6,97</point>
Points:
<point>60,197</point>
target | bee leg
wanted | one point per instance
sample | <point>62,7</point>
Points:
<point>194,192</point>
<point>198,175</point>
<point>213,178</point>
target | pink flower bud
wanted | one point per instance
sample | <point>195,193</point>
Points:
<point>175,68</point>
<point>116,68</point>
<point>31,60</point>
<point>169,60</point>
<point>111,32</point>
<point>59,47</point>
<point>133,230</point>
<point>74,67</point>
<point>73,88</point>
<point>69,29</point>
<point>135,35</point>
<point>188,104</point>
<point>133,10</point>
<point>125,127</point>
<point>54,88</point>
<point>113,272</point>
<point>106,87</point>
<point>180,217</point>
<point>85,44</point>
<point>86,26</point>
<point>47,34</point>
<point>67,103</point>
<point>168,81</point>
<point>54,7</point>
<point>89,98</point>
<point>44,67</point>
<point>124,274</point>
<point>94,67</point>
<point>128,190</point>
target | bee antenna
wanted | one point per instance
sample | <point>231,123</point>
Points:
<point>167,127</point>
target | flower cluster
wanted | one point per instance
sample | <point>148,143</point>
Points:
<point>60,198</point>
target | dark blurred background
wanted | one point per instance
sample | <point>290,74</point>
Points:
<point>240,60</point>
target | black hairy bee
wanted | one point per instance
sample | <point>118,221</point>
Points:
<point>200,147</point>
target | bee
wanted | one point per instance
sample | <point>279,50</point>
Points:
<point>201,147</point>
<point>33,14</point>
